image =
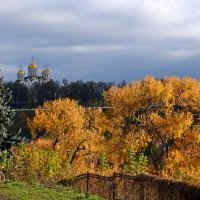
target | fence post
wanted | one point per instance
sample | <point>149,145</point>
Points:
<point>87,185</point>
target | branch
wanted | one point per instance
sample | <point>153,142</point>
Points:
<point>76,151</point>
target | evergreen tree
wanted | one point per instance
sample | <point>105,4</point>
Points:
<point>6,115</point>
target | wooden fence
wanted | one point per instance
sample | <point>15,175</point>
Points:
<point>127,187</point>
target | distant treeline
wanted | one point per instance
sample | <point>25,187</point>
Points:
<point>86,93</point>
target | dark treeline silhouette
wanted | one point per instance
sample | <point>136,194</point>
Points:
<point>86,93</point>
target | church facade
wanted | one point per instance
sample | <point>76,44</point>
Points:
<point>33,76</point>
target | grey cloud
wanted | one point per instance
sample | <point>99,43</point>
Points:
<point>112,40</point>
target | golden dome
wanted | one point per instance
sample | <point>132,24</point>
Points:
<point>32,66</point>
<point>45,71</point>
<point>20,72</point>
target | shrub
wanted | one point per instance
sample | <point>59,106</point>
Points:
<point>137,163</point>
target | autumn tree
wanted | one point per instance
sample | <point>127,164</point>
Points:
<point>159,116</point>
<point>64,123</point>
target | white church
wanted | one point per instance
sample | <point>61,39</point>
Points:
<point>33,76</point>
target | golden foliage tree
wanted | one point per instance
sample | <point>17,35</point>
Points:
<point>64,123</point>
<point>159,115</point>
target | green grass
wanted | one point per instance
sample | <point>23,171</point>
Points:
<point>24,191</point>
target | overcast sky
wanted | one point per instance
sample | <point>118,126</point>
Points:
<point>101,40</point>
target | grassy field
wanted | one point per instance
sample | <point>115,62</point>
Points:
<point>23,191</point>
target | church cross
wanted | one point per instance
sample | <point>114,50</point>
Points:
<point>32,59</point>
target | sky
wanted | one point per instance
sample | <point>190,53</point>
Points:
<point>101,40</point>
